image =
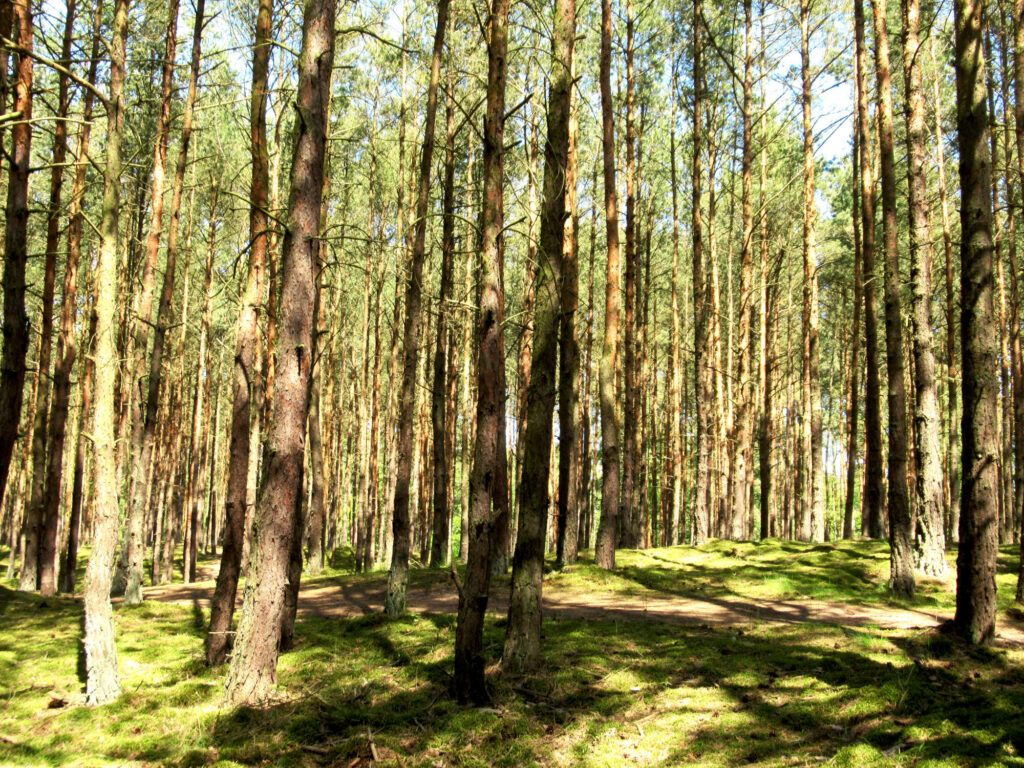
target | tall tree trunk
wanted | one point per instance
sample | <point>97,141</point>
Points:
<point>901,577</point>
<point>812,515</point>
<point>317,509</point>
<point>744,380</point>
<point>253,671</point>
<point>568,353</point>
<point>469,683</point>
<point>48,468</point>
<point>398,576</point>
<point>765,362</point>
<point>246,362</point>
<point>874,481</point>
<point>979,504</point>
<point>607,531</point>
<point>853,408</point>
<point>439,551</point>
<point>628,512</point>
<point>102,685</point>
<point>701,323</point>
<point>197,446</point>
<point>521,654</point>
<point>676,390</point>
<point>929,535</point>
<point>1018,117</point>
<point>15,325</point>
<point>132,543</point>
<point>69,560</point>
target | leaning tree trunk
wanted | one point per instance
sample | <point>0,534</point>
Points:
<point>521,654</point>
<point>398,576</point>
<point>979,499</point>
<point>102,685</point>
<point>246,362</point>
<point>253,672</point>
<point>15,324</point>
<point>929,535</point>
<point>607,531</point>
<point>901,577</point>
<point>469,683</point>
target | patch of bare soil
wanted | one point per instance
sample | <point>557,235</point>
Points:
<point>365,597</point>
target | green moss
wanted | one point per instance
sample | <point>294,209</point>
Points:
<point>613,693</point>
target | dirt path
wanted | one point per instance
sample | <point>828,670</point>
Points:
<point>365,597</point>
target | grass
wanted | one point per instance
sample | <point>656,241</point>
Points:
<point>612,693</point>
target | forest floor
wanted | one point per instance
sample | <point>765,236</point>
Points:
<point>724,583</point>
<point>775,653</point>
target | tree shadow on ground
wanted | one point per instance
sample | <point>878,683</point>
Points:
<point>695,693</point>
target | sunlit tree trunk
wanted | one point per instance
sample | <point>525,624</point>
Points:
<point>439,397</point>
<point>521,654</point>
<point>901,577</point>
<point>874,482</point>
<point>398,576</point>
<point>253,672</point>
<point>704,385</point>
<point>141,449</point>
<point>976,557</point>
<point>49,468</point>
<point>607,532</point>
<point>929,535</point>
<point>469,683</point>
<point>813,512</point>
<point>246,361</point>
<point>568,355</point>
<point>102,685</point>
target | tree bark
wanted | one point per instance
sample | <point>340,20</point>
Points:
<point>568,353</point>
<point>874,481</point>
<point>246,362</point>
<point>929,535</point>
<point>48,468</point>
<point>853,406</point>
<point>607,531</point>
<point>813,519</point>
<point>15,324</point>
<point>901,578</point>
<point>979,503</point>
<point>253,671</point>
<point>744,380</point>
<point>469,683</point>
<point>102,685</point>
<point>132,544</point>
<point>521,654</point>
<point>701,319</point>
<point>200,424</point>
<point>398,576</point>
<point>1018,118</point>
<point>439,551</point>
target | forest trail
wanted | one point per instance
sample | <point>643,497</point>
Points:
<point>342,599</point>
